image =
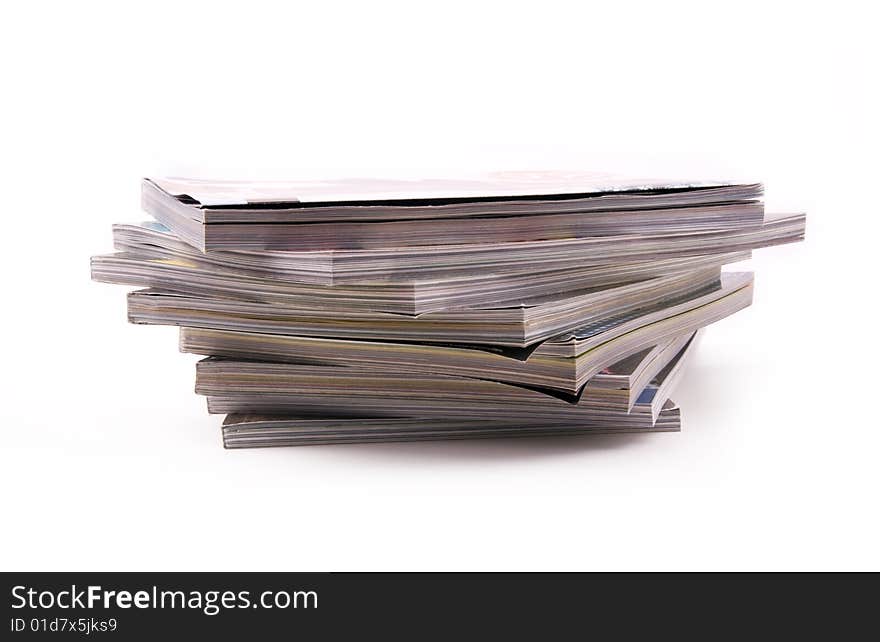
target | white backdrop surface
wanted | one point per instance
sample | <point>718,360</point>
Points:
<point>110,462</point>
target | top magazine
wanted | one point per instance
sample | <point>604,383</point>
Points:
<point>502,207</point>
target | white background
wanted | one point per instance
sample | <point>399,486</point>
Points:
<point>109,461</point>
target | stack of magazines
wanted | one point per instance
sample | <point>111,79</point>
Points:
<point>512,304</point>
